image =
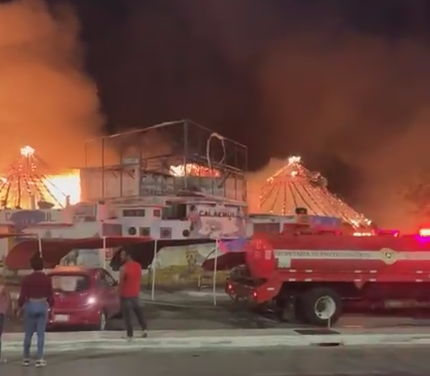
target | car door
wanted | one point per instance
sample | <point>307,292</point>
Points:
<point>110,292</point>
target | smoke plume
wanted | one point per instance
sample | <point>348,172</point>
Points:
<point>336,86</point>
<point>361,99</point>
<point>343,84</point>
<point>46,99</point>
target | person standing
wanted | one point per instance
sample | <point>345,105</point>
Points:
<point>35,298</point>
<point>130,276</point>
<point>4,306</point>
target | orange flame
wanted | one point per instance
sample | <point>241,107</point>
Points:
<point>27,151</point>
<point>193,169</point>
<point>68,184</point>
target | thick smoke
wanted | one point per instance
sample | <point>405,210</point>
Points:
<point>46,99</point>
<point>361,99</point>
<point>339,96</point>
<point>339,83</point>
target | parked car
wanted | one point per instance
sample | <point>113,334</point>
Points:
<point>83,297</point>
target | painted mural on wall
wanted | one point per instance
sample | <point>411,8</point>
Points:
<point>180,266</point>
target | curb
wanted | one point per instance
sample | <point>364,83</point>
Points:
<point>196,304</point>
<point>166,343</point>
<point>368,339</point>
<point>219,342</point>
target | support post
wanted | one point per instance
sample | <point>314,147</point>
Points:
<point>86,154</point>
<point>153,270</point>
<point>103,167</point>
<point>39,242</point>
<point>104,253</point>
<point>186,152</point>
<point>214,272</point>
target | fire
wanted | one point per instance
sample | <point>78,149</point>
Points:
<point>25,185</point>
<point>294,159</point>
<point>68,184</point>
<point>27,151</point>
<point>193,169</point>
<point>293,162</point>
<point>362,234</point>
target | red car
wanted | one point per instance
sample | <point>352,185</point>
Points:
<point>83,297</point>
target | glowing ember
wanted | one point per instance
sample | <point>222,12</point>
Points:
<point>294,159</point>
<point>27,151</point>
<point>193,169</point>
<point>292,168</point>
<point>363,234</point>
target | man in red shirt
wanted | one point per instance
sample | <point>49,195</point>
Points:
<point>129,289</point>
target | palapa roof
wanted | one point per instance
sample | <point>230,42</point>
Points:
<point>25,184</point>
<point>293,186</point>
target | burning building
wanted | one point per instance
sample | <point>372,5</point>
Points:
<point>28,184</point>
<point>294,187</point>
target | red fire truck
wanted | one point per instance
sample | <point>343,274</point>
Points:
<point>312,277</point>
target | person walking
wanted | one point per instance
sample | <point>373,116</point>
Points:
<point>35,298</point>
<point>130,276</point>
<point>4,307</point>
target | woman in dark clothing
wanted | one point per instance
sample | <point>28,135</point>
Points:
<point>4,306</point>
<point>35,299</point>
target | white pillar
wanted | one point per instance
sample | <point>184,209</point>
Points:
<point>214,272</point>
<point>39,241</point>
<point>153,271</point>
<point>103,253</point>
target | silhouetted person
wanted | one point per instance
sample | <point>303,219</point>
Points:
<point>35,298</point>
<point>4,306</point>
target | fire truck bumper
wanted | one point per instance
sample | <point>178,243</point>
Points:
<point>252,294</point>
<point>239,292</point>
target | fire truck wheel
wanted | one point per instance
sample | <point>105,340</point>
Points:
<point>321,306</point>
<point>288,311</point>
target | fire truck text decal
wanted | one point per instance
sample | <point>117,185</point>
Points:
<point>385,255</point>
<point>284,257</point>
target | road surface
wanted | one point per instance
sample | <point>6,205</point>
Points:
<point>175,311</point>
<point>312,361</point>
<point>172,316</point>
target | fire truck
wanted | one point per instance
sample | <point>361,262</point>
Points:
<point>313,276</point>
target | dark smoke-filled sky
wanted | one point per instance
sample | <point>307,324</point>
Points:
<point>343,83</point>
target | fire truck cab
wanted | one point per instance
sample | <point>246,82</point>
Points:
<point>312,276</point>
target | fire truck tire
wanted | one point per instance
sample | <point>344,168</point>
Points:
<point>321,306</point>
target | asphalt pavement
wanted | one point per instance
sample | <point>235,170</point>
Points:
<point>195,310</point>
<point>195,314</point>
<point>311,361</point>
<point>177,317</point>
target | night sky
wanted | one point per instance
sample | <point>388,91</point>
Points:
<point>343,83</point>
<point>261,72</point>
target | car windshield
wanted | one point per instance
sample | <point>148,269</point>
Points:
<point>70,282</point>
